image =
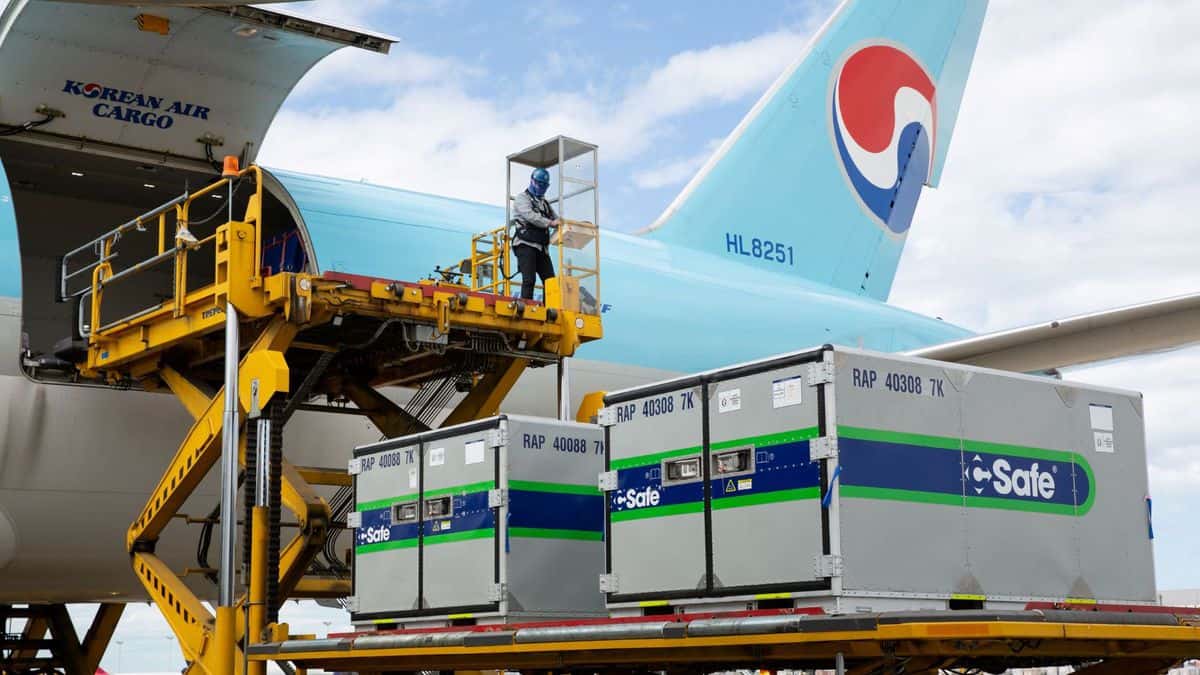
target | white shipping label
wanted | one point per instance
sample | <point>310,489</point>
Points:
<point>412,477</point>
<point>786,392</point>
<point>1102,418</point>
<point>729,400</point>
<point>437,456</point>
<point>475,452</point>
<point>1104,441</point>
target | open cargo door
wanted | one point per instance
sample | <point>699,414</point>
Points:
<point>157,78</point>
<point>108,110</point>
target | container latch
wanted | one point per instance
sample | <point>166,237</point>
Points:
<point>609,583</point>
<point>827,566</point>
<point>820,372</point>
<point>497,498</point>
<point>825,447</point>
<point>606,417</point>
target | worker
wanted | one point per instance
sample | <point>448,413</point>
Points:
<point>534,220</point>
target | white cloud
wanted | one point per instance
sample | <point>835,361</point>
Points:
<point>433,135</point>
<point>1070,188</point>
<point>357,68</point>
<point>353,13</point>
<point>552,16</point>
<point>676,171</point>
<point>1069,179</point>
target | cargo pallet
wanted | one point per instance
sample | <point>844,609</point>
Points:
<point>1109,639</point>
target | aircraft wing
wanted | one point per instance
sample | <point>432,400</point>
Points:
<point>1156,326</point>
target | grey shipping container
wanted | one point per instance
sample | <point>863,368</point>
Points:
<point>857,481</point>
<point>481,522</point>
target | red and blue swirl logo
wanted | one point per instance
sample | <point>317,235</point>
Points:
<point>884,114</point>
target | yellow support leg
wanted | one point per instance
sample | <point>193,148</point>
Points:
<point>487,395</point>
<point>313,515</point>
<point>100,633</point>
<point>210,644</point>
<point>224,658</point>
<point>258,583</point>
<point>389,418</point>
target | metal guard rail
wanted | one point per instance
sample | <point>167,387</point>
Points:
<point>103,248</point>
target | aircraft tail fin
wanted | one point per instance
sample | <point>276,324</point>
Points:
<point>822,177</point>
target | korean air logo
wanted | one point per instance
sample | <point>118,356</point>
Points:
<point>1013,477</point>
<point>883,110</point>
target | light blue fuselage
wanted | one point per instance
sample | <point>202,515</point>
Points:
<point>666,307</point>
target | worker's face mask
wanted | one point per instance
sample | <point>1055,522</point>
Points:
<point>538,188</point>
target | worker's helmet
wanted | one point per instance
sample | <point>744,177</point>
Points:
<point>539,182</point>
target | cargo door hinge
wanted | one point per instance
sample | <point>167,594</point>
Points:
<point>827,566</point>
<point>497,498</point>
<point>350,603</point>
<point>606,417</point>
<point>354,467</point>
<point>820,372</point>
<point>607,481</point>
<point>609,583</point>
<point>497,437</point>
<point>825,447</point>
<point>497,592</point>
<point>353,519</point>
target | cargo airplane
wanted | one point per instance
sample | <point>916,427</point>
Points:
<point>792,231</point>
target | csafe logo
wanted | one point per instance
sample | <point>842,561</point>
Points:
<point>636,499</point>
<point>1030,480</point>
<point>374,535</point>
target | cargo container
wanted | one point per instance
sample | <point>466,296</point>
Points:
<point>479,523</point>
<point>857,481</point>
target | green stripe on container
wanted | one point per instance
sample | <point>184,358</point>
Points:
<point>967,446</point>
<point>762,441</point>
<point>918,496</point>
<point>654,458</point>
<point>482,533</point>
<point>658,511</point>
<point>384,503</point>
<point>776,496</point>
<point>550,533</point>
<point>386,546</point>
<point>898,495</point>
<point>481,486</point>
<point>557,488</point>
<point>767,440</point>
<point>899,437</point>
<point>430,540</point>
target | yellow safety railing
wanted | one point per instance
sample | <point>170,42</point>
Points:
<point>490,262</point>
<point>185,244</point>
<point>490,267</point>
<point>572,274</point>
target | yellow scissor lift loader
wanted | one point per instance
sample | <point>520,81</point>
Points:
<point>291,327</point>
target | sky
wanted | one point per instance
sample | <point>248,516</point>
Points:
<point>1069,186</point>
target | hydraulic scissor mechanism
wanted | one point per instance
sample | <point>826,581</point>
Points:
<point>312,342</point>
